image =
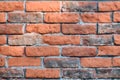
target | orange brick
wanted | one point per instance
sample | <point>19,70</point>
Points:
<point>96,62</point>
<point>11,6</point>
<point>61,17</point>
<point>11,50</point>
<point>2,61</point>
<point>79,51</point>
<point>43,73</point>
<point>117,39</point>
<point>78,29</point>
<point>61,40</point>
<point>42,51</point>
<point>96,17</point>
<point>22,61</point>
<point>108,50</point>
<point>109,6</point>
<point>2,39</point>
<point>43,6</point>
<point>43,28</point>
<point>11,29</point>
<point>116,17</point>
<point>2,17</point>
<point>116,61</point>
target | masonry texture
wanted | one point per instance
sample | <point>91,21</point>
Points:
<point>59,40</point>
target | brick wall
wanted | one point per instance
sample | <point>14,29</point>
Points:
<point>59,40</point>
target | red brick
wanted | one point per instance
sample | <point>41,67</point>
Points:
<point>2,39</point>
<point>116,17</point>
<point>43,73</point>
<point>11,50</point>
<point>42,51</point>
<point>96,62</point>
<point>2,61</point>
<point>78,29</point>
<point>61,17</point>
<point>117,39</point>
<point>116,61</point>
<point>77,6</point>
<point>96,17</point>
<point>109,6</point>
<point>108,50</point>
<point>22,61</point>
<point>11,29</point>
<point>2,17</point>
<point>11,6</point>
<point>25,17</point>
<point>43,28</point>
<point>43,6</point>
<point>61,40</point>
<point>79,51</point>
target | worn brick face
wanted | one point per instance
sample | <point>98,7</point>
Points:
<point>109,28</point>
<point>25,17</point>
<point>78,6</point>
<point>26,39</point>
<point>11,73</point>
<point>96,40</point>
<point>61,62</point>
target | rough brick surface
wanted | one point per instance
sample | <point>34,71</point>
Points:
<point>43,28</point>
<point>96,17</point>
<point>27,39</point>
<point>96,62</point>
<point>11,6</point>
<point>79,51</point>
<point>61,17</point>
<point>11,29</point>
<point>3,39</point>
<point>59,40</point>
<point>2,17</point>
<point>11,50</point>
<point>18,61</point>
<point>78,29</point>
<point>25,17</point>
<point>43,6</point>
<point>42,51</point>
<point>43,73</point>
<point>61,62</point>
